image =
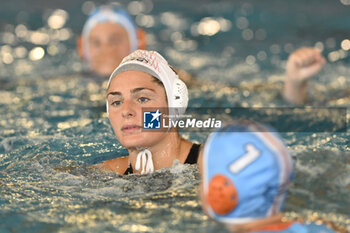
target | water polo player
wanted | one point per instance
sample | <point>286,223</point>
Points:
<point>245,172</point>
<point>144,79</point>
<point>109,34</point>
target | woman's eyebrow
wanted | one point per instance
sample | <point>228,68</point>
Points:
<point>116,35</point>
<point>135,90</point>
<point>114,93</point>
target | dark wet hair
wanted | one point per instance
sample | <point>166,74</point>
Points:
<point>158,81</point>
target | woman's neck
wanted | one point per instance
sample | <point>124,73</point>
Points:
<point>163,153</point>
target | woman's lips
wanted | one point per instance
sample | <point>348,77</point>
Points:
<point>131,128</point>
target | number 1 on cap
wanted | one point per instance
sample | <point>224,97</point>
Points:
<point>252,153</point>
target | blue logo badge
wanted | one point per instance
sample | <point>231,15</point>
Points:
<point>151,120</point>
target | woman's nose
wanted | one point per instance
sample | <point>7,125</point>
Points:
<point>128,109</point>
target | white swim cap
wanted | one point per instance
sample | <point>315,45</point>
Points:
<point>114,14</point>
<point>154,64</point>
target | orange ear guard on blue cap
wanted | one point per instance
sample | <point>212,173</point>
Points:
<point>222,194</point>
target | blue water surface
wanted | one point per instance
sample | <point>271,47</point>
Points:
<point>53,123</point>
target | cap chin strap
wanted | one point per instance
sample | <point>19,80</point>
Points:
<point>147,162</point>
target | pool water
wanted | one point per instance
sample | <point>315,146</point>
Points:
<point>53,125</point>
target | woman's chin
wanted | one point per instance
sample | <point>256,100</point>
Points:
<point>134,142</point>
<point>104,73</point>
<point>105,70</point>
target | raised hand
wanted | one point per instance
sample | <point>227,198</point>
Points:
<point>302,64</point>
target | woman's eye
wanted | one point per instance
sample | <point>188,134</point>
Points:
<point>95,43</point>
<point>115,42</point>
<point>116,103</point>
<point>143,99</point>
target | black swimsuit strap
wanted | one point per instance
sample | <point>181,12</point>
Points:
<point>129,170</point>
<point>193,155</point>
<point>192,158</point>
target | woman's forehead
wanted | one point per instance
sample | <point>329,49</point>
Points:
<point>133,79</point>
<point>133,75</point>
<point>107,28</point>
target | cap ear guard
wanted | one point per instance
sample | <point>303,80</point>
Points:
<point>222,195</point>
<point>179,99</point>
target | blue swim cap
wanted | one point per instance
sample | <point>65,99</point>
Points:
<point>246,170</point>
<point>114,14</point>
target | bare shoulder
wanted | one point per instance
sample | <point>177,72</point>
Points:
<point>118,165</point>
